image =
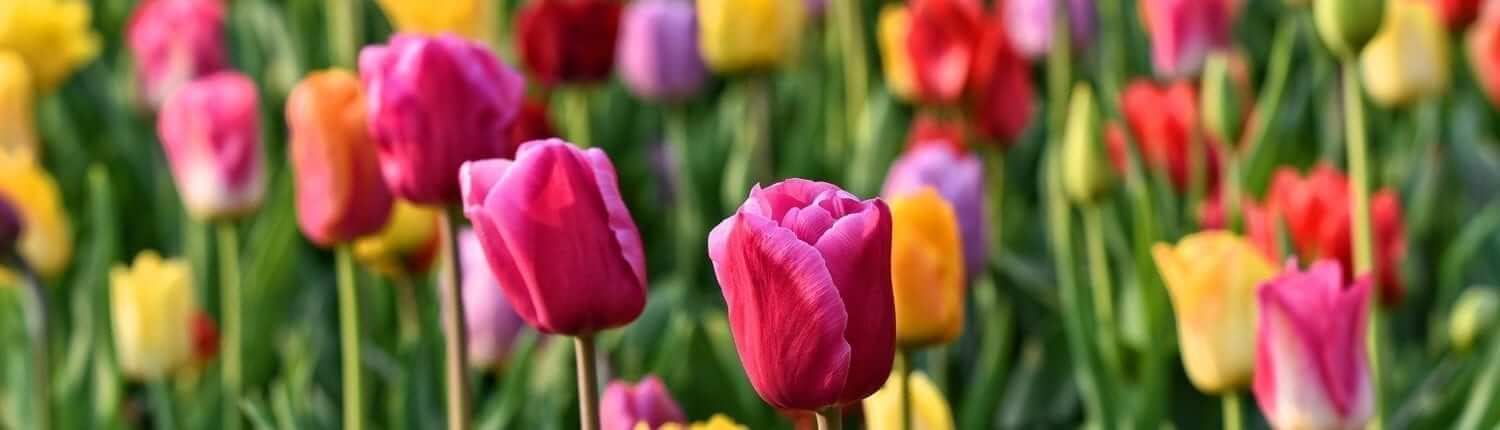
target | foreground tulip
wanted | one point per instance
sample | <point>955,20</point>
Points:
<point>340,194</point>
<point>893,29</point>
<point>53,36</point>
<point>175,42</point>
<point>1212,277</point>
<point>435,103</point>
<point>468,18</point>
<point>659,59</point>
<point>927,269</point>
<point>1085,171</point>
<point>930,411</point>
<point>568,41</point>
<point>647,402</point>
<point>1347,25</point>
<point>1483,43</point>
<point>748,35</point>
<point>1183,32</point>
<point>1029,23</point>
<point>959,178</point>
<point>1311,365</point>
<point>47,241</point>
<point>716,422</point>
<point>1407,61</point>
<point>943,43</point>
<point>1163,121</point>
<point>406,246</point>
<point>17,129</point>
<point>1000,100</point>
<point>152,303</point>
<point>210,130</point>
<point>805,271</point>
<point>491,322</point>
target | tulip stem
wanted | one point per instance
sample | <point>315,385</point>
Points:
<point>1103,291</point>
<point>349,336</point>
<point>1233,416</point>
<point>343,22</point>
<point>160,397</point>
<point>588,383</point>
<point>34,297</point>
<point>1359,209</point>
<point>407,311</point>
<point>1092,385</point>
<point>847,18</point>
<point>689,223</point>
<point>230,301</point>
<point>750,159</point>
<point>455,359</point>
<point>906,366</point>
<point>576,105</point>
<point>830,418</point>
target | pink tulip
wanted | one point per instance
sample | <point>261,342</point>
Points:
<point>340,195</point>
<point>492,325</point>
<point>558,237</point>
<point>435,103</point>
<point>805,269</point>
<point>174,42</point>
<point>210,130</point>
<point>647,402</point>
<point>1311,366</point>
<point>1184,31</point>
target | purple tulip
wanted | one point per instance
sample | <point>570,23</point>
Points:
<point>647,402</point>
<point>491,323</point>
<point>959,178</point>
<point>1029,25</point>
<point>435,103</point>
<point>1311,365</point>
<point>658,56</point>
<point>11,226</point>
<point>210,130</point>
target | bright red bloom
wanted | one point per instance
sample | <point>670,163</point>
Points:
<point>1456,14</point>
<point>1163,121</point>
<point>932,130</point>
<point>1000,85</point>
<point>942,42</point>
<point>568,40</point>
<point>1484,51</point>
<point>205,337</point>
<point>531,124</point>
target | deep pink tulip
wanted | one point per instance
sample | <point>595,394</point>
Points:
<point>174,42</point>
<point>558,237</point>
<point>1184,31</point>
<point>625,405</point>
<point>1311,366</point>
<point>491,323</point>
<point>210,130</point>
<point>805,269</point>
<point>436,102</point>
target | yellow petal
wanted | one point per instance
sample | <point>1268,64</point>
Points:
<point>895,24</point>
<point>927,270</point>
<point>1407,61</point>
<point>744,35</point>
<point>152,304</point>
<point>929,408</point>
<point>405,246</point>
<point>53,36</point>
<point>473,19</point>
<point>47,242</point>
<point>17,129</point>
<point>1211,277</point>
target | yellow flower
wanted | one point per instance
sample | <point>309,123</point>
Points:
<point>47,240</point>
<point>152,304</point>
<point>1407,61</point>
<point>883,409</point>
<point>717,422</point>
<point>1212,277</point>
<point>17,131</point>
<point>742,35</point>
<point>406,246</point>
<point>53,36</point>
<point>927,269</point>
<point>1086,174</point>
<point>895,24</point>
<point>473,19</point>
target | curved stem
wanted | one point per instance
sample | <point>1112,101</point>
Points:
<point>830,418</point>
<point>1103,289</point>
<point>160,397</point>
<point>1359,210</point>
<point>1233,416</point>
<point>847,16</point>
<point>588,383</point>
<point>576,103</point>
<point>349,336</point>
<point>906,366</point>
<point>234,328</point>
<point>455,360</point>
<point>34,301</point>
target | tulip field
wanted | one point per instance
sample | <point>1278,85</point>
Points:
<point>750,214</point>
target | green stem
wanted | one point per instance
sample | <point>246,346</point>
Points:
<point>1359,209</point>
<point>906,365</point>
<point>407,313</point>
<point>234,328</point>
<point>856,74</point>
<point>830,418</point>
<point>749,160</point>
<point>34,303</point>
<point>994,174</point>
<point>160,398</point>
<point>689,222</point>
<point>349,335</point>
<point>1481,404</point>
<point>588,383</point>
<point>1269,100</point>
<point>1086,366</point>
<point>576,103</point>
<point>455,359</point>
<point>1103,288</point>
<point>344,31</point>
<point>1233,416</point>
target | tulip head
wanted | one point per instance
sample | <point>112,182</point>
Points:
<point>1184,32</point>
<point>491,324</point>
<point>53,36</point>
<point>999,82</point>
<point>1223,100</point>
<point>893,29</point>
<point>175,42</point>
<point>805,271</point>
<point>748,35</point>
<point>1407,61</point>
<point>17,93</point>
<point>435,103</point>
<point>558,236</point>
<point>568,41</point>
<point>716,422</point>
<point>210,130</point>
<point>1311,366</point>
<point>959,178</point>
<point>1163,120</point>
<point>1211,277</point>
<point>624,405</point>
<point>1347,25</point>
<point>1457,14</point>
<point>152,303</point>
<point>1086,176</point>
<point>406,246</point>
<point>1473,317</point>
<point>927,269</point>
<point>659,59</point>
<point>468,18</point>
<point>340,194</point>
<point>1031,23</point>
<point>930,409</point>
<point>47,240</point>
<point>943,42</point>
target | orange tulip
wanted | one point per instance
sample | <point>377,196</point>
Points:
<point>340,193</point>
<point>927,269</point>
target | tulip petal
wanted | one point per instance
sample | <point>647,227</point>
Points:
<point>619,216</point>
<point>477,178</point>
<point>858,252</point>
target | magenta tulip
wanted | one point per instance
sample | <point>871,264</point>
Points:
<point>492,325</point>
<point>805,269</point>
<point>1311,366</point>
<point>1183,32</point>
<point>646,402</point>
<point>558,237</point>
<point>210,130</point>
<point>174,42</point>
<point>435,103</point>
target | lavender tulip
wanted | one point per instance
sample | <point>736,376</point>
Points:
<point>659,59</point>
<point>959,178</point>
<point>491,322</point>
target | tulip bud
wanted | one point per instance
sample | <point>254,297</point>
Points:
<point>1164,121</point>
<point>716,422</point>
<point>659,59</point>
<point>435,103</point>
<point>210,130</point>
<point>1222,101</point>
<point>340,194</point>
<point>491,323</point>
<point>1086,174</point>
<point>558,237</point>
<point>1347,25</point>
<point>1473,317</point>
<point>1311,366</point>
<point>53,36</point>
<point>748,35</point>
<point>894,29</point>
<point>929,409</point>
<point>1000,100</point>
<point>17,129</point>
<point>152,303</point>
<point>469,18</point>
<point>11,226</point>
<point>1212,277</point>
<point>1457,14</point>
<point>1484,51</point>
<point>175,42</point>
<point>1183,32</point>
<point>805,269</point>
<point>47,240</point>
<point>1407,61</point>
<point>927,269</point>
<point>647,402</point>
<point>943,41</point>
<point>568,41</point>
<point>406,246</point>
<point>959,179</point>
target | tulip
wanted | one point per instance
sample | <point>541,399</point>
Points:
<point>1484,51</point>
<point>1223,101</point>
<point>340,194</point>
<point>47,240</point>
<point>1473,317</point>
<point>929,409</point>
<point>406,246</point>
<point>1407,61</point>
<point>532,123</point>
<point>210,130</point>
<point>805,271</point>
<point>943,43</point>
<point>175,42</point>
<point>647,402</point>
<point>152,303</point>
<point>11,226</point>
<point>558,237</point>
<point>659,58</point>
<point>203,332</point>
<point>1311,365</point>
<point>53,36</point>
<point>932,130</point>
<point>959,178</point>
<point>927,269</point>
<point>435,103</point>
<point>716,422</point>
<point>1163,121</point>
<point>468,18</point>
<point>1457,14</point>
<point>1212,277</point>
<point>1030,24</point>
<point>568,41</point>
<point>1347,25</point>
<point>492,325</point>
<point>17,129</point>
<point>894,28</point>
<point>1085,174</point>
<point>748,35</point>
<point>1183,32</point>
<point>1000,85</point>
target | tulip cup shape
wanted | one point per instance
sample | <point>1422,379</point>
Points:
<point>53,36</point>
<point>568,41</point>
<point>942,42</point>
<point>17,126</point>
<point>929,409</point>
<point>647,402</point>
<point>468,18</point>
<point>1407,60</point>
<point>210,130</point>
<point>1183,32</point>
<point>435,103</point>
<point>805,271</point>
<point>999,82</point>
<point>558,237</point>
<point>175,42</point>
<point>340,194</point>
<point>749,35</point>
<point>927,269</point>
<point>492,325</point>
<point>152,303</point>
<point>1211,277</point>
<point>1311,365</point>
<point>659,59</point>
<point>959,178</point>
<point>47,241</point>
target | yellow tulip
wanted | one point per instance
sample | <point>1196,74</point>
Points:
<point>47,242</point>
<point>927,269</point>
<point>717,422</point>
<point>53,36</point>
<point>744,35</point>
<point>1211,277</point>
<point>406,245</point>
<point>1407,61</point>
<point>895,24</point>
<point>473,19</point>
<point>152,304</point>
<point>17,132</point>
<point>883,409</point>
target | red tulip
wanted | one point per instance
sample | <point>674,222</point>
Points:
<point>805,269</point>
<point>210,130</point>
<point>942,41</point>
<point>932,130</point>
<point>204,333</point>
<point>532,123</point>
<point>558,237</point>
<point>340,194</point>
<point>1484,51</point>
<point>568,41</point>
<point>1000,85</point>
<point>1163,121</point>
<point>1457,14</point>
